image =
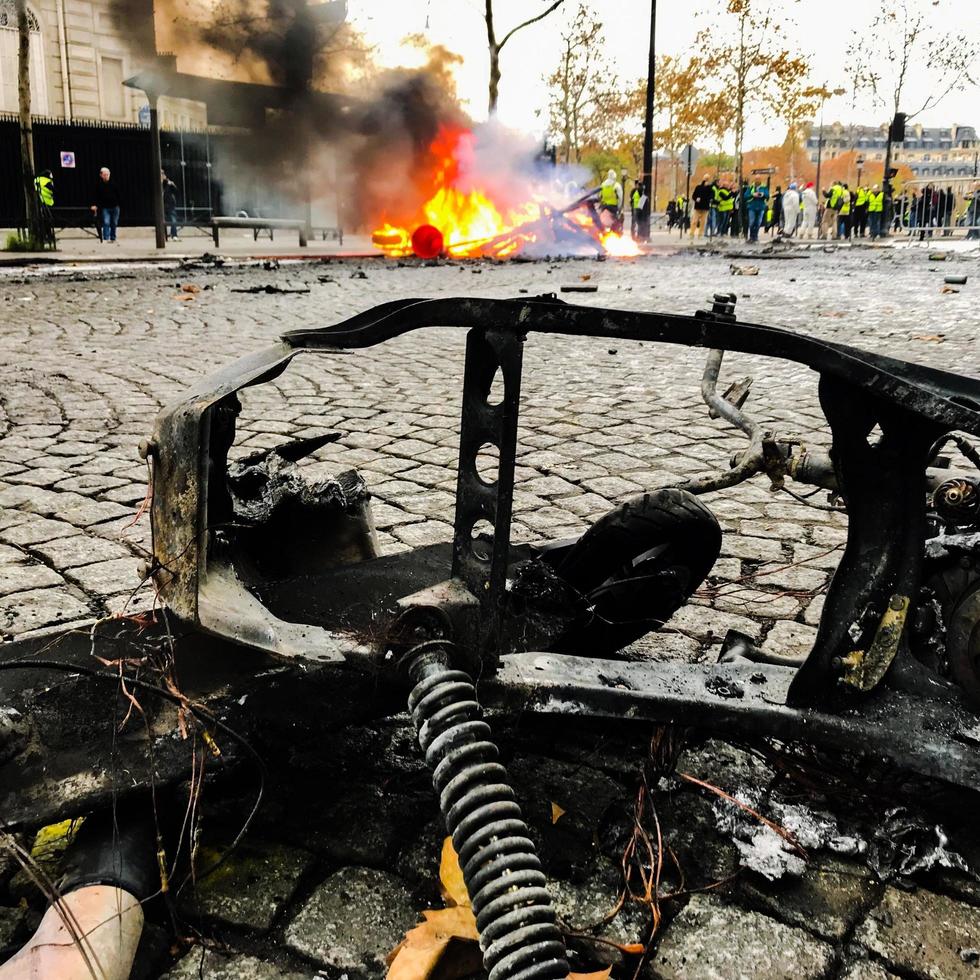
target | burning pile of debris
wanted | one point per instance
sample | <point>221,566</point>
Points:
<point>478,208</point>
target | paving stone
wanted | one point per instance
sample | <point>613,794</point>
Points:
<point>94,512</point>
<point>42,476</point>
<point>37,530</point>
<point>212,965</point>
<point>756,549</point>
<point>922,934</point>
<point>706,624</point>
<point>865,970</point>
<point>25,611</point>
<point>713,941</point>
<point>79,549</point>
<point>813,611</point>
<point>107,577</point>
<point>790,639</point>
<point>746,601</point>
<point>11,556</point>
<point>428,532</point>
<point>250,887</point>
<point>28,575</point>
<point>353,920</point>
<point>827,900</point>
<point>659,646</point>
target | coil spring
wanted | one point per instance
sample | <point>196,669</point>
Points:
<point>519,933</point>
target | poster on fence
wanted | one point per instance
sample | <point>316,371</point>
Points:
<point>68,159</point>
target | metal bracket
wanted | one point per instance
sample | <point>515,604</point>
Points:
<point>480,558</point>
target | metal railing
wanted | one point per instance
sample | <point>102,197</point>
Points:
<point>929,209</point>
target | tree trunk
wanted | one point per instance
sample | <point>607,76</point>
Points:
<point>494,78</point>
<point>32,215</point>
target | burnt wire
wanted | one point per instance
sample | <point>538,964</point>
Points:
<point>202,715</point>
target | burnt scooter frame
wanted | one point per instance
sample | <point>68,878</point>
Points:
<point>913,719</point>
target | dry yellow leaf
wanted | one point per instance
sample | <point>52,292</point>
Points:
<point>556,813</point>
<point>451,882</point>
<point>421,949</point>
<point>601,975</point>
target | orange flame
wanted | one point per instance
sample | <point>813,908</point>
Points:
<point>472,223</point>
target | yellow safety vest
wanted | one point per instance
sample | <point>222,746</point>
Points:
<point>726,200</point>
<point>862,198</point>
<point>845,207</point>
<point>45,190</point>
<point>636,199</point>
<point>607,195</point>
<point>876,202</point>
<point>835,193</point>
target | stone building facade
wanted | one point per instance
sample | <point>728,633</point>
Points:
<point>951,151</point>
<point>79,60</point>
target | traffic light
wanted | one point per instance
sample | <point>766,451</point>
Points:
<point>896,132</point>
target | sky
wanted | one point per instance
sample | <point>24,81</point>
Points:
<point>818,28</point>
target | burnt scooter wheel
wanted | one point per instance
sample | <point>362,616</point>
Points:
<point>636,566</point>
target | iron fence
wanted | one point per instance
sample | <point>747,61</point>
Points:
<point>927,208</point>
<point>211,171</point>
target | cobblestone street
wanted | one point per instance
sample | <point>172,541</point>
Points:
<point>88,358</point>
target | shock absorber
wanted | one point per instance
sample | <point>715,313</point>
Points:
<point>519,933</point>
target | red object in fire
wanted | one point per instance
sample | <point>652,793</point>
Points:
<point>427,241</point>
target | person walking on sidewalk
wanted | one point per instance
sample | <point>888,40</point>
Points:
<point>169,204</point>
<point>106,206</point>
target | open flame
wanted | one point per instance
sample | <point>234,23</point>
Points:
<point>463,217</point>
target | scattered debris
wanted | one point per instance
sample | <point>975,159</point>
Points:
<point>556,813</point>
<point>271,288</point>
<point>189,287</point>
<point>579,289</point>
<point>938,257</point>
<point>955,280</point>
<point>206,261</point>
<point>744,270</point>
<point>358,274</point>
<point>271,265</point>
<point>931,338</point>
<point>903,845</point>
<point>948,289</point>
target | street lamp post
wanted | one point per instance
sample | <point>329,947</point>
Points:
<point>687,193</point>
<point>860,166</point>
<point>648,128</point>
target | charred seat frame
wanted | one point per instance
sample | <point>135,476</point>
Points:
<point>877,697</point>
<point>859,690</point>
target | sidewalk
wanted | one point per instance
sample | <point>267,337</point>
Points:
<point>139,245</point>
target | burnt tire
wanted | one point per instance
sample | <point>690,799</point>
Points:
<point>636,566</point>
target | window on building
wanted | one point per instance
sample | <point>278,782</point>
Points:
<point>8,62</point>
<point>113,93</point>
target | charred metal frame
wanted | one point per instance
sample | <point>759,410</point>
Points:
<point>859,687</point>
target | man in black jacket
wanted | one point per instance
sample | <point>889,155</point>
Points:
<point>106,206</point>
<point>701,199</point>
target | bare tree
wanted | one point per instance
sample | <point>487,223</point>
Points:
<point>574,84</point>
<point>496,46</point>
<point>899,38</point>
<point>33,218</point>
<point>749,63</point>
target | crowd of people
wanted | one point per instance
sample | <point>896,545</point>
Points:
<point>838,212</point>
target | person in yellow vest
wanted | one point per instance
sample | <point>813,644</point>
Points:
<point>683,218</point>
<point>831,211</point>
<point>726,204</point>
<point>44,183</point>
<point>610,200</point>
<point>845,218</point>
<point>876,209</point>
<point>859,212</point>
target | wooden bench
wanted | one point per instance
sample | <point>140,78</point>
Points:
<point>258,224</point>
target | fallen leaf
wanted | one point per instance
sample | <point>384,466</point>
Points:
<point>586,278</point>
<point>451,883</point>
<point>932,338</point>
<point>415,957</point>
<point>601,975</point>
<point>189,287</point>
<point>948,289</point>
<point>556,813</point>
<point>184,297</point>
